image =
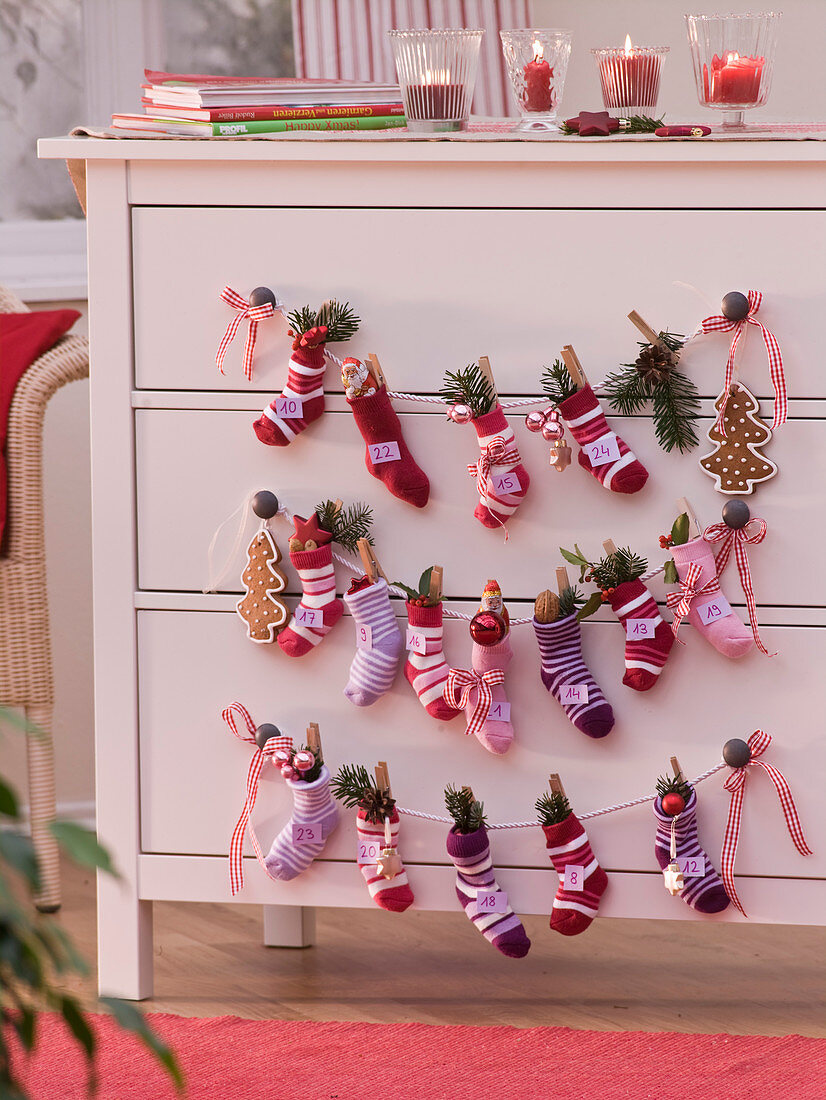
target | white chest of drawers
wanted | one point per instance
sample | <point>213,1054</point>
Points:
<point>447,251</point>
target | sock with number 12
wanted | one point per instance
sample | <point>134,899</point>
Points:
<point>583,415</point>
<point>644,655</point>
<point>705,892</point>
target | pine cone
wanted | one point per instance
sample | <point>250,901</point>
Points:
<point>654,363</point>
<point>377,805</point>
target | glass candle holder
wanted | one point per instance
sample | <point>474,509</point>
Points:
<point>630,77</point>
<point>437,75</point>
<point>733,58</point>
<point>537,62</point>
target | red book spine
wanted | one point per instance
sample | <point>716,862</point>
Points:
<point>261,114</point>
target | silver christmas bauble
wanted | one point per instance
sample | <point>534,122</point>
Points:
<point>460,414</point>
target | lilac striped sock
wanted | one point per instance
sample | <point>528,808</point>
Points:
<point>374,668</point>
<point>470,853</point>
<point>312,803</point>
<point>705,893</point>
<point>562,669</point>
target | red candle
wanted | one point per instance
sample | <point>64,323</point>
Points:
<point>538,73</point>
<point>630,77</point>
<point>734,79</point>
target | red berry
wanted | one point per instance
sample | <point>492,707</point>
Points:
<point>673,803</point>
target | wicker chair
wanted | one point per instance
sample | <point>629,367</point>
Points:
<point>25,650</point>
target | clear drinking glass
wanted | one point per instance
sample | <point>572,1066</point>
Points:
<point>437,74</point>
<point>733,58</point>
<point>630,78</point>
<point>537,60</point>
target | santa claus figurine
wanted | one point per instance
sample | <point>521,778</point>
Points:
<point>356,379</point>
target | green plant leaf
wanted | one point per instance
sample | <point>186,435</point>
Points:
<point>679,532</point>
<point>24,1022</point>
<point>18,851</point>
<point>411,593</point>
<point>571,558</point>
<point>8,802</point>
<point>82,846</point>
<point>76,1022</point>
<point>131,1019</point>
<point>424,581</point>
<point>593,605</point>
<point>24,962</point>
<point>670,572</point>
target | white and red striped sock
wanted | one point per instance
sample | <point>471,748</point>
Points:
<point>388,893</point>
<point>644,656</point>
<point>319,609</point>
<point>584,417</point>
<point>500,499</point>
<point>427,672</point>
<point>576,903</point>
<point>302,399</point>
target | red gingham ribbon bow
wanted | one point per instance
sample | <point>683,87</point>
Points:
<point>255,314</point>
<point>461,682</point>
<point>736,785</point>
<point>495,454</point>
<point>236,844</point>
<point>721,532</point>
<point>718,323</point>
<point>681,599</point>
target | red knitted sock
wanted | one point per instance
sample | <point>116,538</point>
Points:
<point>577,899</point>
<point>622,473</point>
<point>388,891</point>
<point>644,655</point>
<point>387,456</point>
<point>507,482</point>
<point>302,399</point>
<point>319,609</point>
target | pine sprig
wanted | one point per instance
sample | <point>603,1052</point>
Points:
<point>552,808</point>
<point>354,786</point>
<point>637,124</point>
<point>467,813</point>
<point>570,600</point>
<point>557,382</point>
<point>673,784</point>
<point>347,525</point>
<point>468,387</point>
<point>616,569</point>
<point>340,319</point>
<point>626,389</point>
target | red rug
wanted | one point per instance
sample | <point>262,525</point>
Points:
<point>226,1058</point>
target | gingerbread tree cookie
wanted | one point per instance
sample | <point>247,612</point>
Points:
<point>736,463</point>
<point>263,613</point>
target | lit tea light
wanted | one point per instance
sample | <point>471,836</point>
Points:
<point>630,76</point>
<point>537,61</point>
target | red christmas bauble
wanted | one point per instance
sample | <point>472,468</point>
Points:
<point>673,803</point>
<point>534,421</point>
<point>487,628</point>
<point>460,414</point>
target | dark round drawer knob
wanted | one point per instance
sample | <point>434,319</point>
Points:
<point>736,752</point>
<point>265,504</point>
<point>735,306</point>
<point>264,732</point>
<point>736,514</point>
<point>261,296</point>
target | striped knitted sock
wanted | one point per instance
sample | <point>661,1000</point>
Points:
<point>388,893</point>
<point>312,804</point>
<point>427,672</point>
<point>497,504</point>
<point>302,399</point>
<point>470,853</point>
<point>378,641</point>
<point>319,609</point>
<point>644,657</point>
<point>584,417</point>
<point>705,892</point>
<point>496,733</point>
<point>576,903</point>
<point>567,678</point>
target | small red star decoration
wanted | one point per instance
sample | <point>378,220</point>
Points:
<point>309,529</point>
<point>593,124</point>
<point>311,338</point>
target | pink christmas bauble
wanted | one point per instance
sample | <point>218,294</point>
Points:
<point>487,628</point>
<point>551,431</point>
<point>289,772</point>
<point>534,421</point>
<point>460,414</point>
<point>304,761</point>
<point>281,756</point>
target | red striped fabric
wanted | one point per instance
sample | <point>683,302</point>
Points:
<point>680,601</point>
<point>254,314</point>
<point>461,682</point>
<point>347,39</point>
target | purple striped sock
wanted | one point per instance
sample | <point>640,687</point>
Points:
<point>705,893</point>
<point>312,803</point>
<point>562,668</point>
<point>373,669</point>
<point>470,853</point>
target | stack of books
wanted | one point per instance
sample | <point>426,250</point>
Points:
<point>217,106</point>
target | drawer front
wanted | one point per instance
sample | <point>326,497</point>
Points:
<point>193,770</point>
<point>531,281</point>
<point>194,467</point>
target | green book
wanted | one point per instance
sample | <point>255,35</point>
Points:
<point>280,126</point>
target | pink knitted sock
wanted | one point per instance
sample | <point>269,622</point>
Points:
<point>496,734</point>
<point>726,633</point>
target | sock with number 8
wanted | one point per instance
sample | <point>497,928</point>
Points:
<point>582,881</point>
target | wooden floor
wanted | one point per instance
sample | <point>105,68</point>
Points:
<point>622,975</point>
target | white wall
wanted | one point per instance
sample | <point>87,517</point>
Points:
<point>798,92</point>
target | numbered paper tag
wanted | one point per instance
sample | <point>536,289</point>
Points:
<point>500,712</point>
<point>719,608</point>
<point>308,832</point>
<point>574,877</point>
<point>573,693</point>
<point>368,850</point>
<point>640,628</point>
<point>290,407</point>
<point>309,616</point>
<point>384,452</point>
<point>491,901</point>
<point>364,637</point>
<point>692,866</point>
<point>416,641</point>
<point>505,483</point>
<point>604,450</point>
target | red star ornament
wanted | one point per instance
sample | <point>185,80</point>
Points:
<point>309,529</point>
<point>593,124</point>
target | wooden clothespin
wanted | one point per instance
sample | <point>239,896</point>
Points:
<point>314,739</point>
<point>434,592</point>
<point>569,358</point>
<point>555,783</point>
<point>485,368</point>
<point>693,523</point>
<point>374,367</point>
<point>337,507</point>
<point>648,332</point>
<point>563,581</point>
<point>372,566</point>
<point>382,777</point>
<point>675,767</point>
<point>470,792</point>
<point>610,547</point>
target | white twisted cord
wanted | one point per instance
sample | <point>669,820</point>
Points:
<point>582,817</point>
